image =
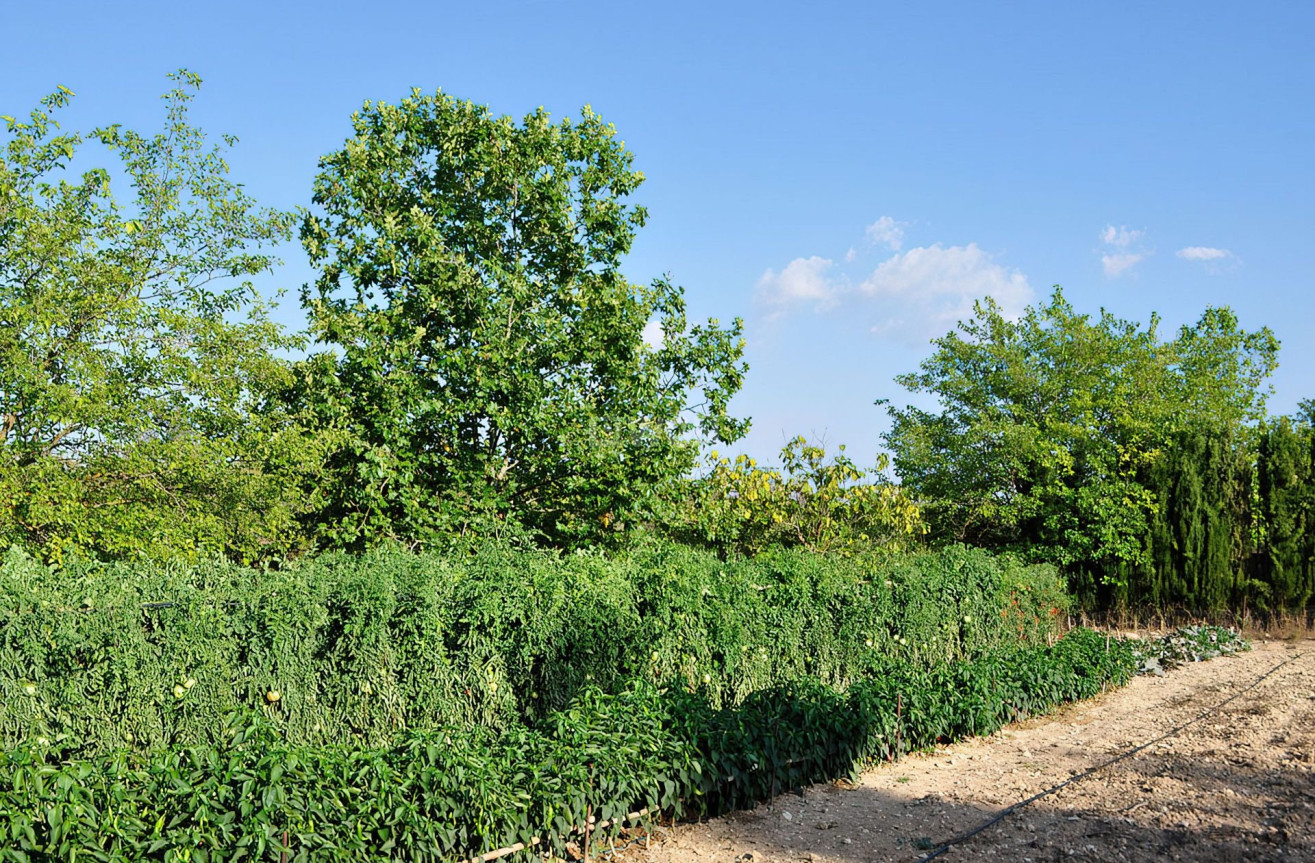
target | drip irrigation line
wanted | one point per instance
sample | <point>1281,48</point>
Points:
<point>1000,816</point>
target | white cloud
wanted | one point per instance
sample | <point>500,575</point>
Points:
<point>1122,258</point>
<point>802,280</point>
<point>886,232</point>
<point>1117,265</point>
<point>913,295</point>
<point>652,334</point>
<point>923,292</point>
<point>1204,253</point>
<point>1122,236</point>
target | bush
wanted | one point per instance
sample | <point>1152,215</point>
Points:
<point>434,795</point>
<point>98,657</point>
<point>827,507</point>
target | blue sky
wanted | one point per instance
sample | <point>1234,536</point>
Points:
<point>846,177</point>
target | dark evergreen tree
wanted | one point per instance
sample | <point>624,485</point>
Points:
<point>1199,539</point>
<point>1286,476</point>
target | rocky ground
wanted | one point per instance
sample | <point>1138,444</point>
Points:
<point>1239,785</point>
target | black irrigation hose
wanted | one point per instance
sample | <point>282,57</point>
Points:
<point>629,843</point>
<point>1000,816</point>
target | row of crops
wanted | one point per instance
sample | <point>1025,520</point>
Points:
<point>435,708</point>
<point>97,658</point>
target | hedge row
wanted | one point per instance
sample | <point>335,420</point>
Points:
<point>102,657</point>
<point>440,795</point>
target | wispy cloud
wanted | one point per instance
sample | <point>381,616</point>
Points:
<point>910,296</point>
<point>1122,236</point>
<point>1121,257</point>
<point>802,280</point>
<point>886,232</point>
<point>923,292</point>
<point>1117,265</point>
<point>1212,260</point>
<point>1204,253</point>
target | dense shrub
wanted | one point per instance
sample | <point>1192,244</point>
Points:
<point>441,793</point>
<point>102,656</point>
<point>831,507</point>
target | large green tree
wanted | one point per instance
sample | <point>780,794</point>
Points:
<point>1049,424</point>
<point>487,356</point>
<point>133,351</point>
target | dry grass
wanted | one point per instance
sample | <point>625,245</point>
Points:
<point>1278,626</point>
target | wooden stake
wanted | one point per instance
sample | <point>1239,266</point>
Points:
<point>899,722</point>
<point>588,814</point>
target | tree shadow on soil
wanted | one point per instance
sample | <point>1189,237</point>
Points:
<point>1152,808</point>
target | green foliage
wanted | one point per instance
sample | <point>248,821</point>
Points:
<point>1231,529</point>
<point>1200,533</point>
<point>1050,423</point>
<point>432,796</point>
<point>487,357</point>
<point>361,649</point>
<point>132,354</point>
<point>1188,644</point>
<point>803,732</point>
<point>1286,480</point>
<point>825,507</point>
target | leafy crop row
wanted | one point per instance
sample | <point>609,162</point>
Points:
<point>441,794</point>
<point>96,658</point>
<point>1188,644</point>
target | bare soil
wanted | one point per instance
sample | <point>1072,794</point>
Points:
<point>1238,785</point>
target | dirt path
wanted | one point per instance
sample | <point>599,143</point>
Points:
<point>1237,786</point>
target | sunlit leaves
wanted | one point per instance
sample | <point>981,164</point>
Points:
<point>133,351</point>
<point>810,502</point>
<point>343,648</point>
<point>1049,423</point>
<point>432,707</point>
<point>488,361</point>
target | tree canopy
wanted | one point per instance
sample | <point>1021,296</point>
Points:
<point>132,348</point>
<point>486,354</point>
<point>1048,424</point>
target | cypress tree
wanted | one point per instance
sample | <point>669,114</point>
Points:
<point>1198,539</point>
<point>1287,489</point>
<point>1226,499</point>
